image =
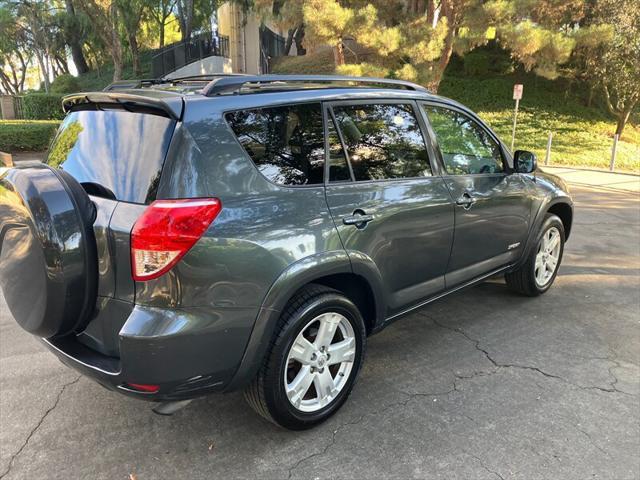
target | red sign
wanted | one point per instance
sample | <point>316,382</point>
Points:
<point>517,91</point>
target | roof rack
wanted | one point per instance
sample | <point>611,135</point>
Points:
<point>129,84</point>
<point>234,83</point>
<point>200,78</point>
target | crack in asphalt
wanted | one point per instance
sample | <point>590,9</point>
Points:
<point>460,377</point>
<point>612,386</point>
<point>484,466</point>
<point>592,441</point>
<point>401,403</point>
<point>34,429</point>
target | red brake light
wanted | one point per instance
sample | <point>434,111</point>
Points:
<point>166,231</point>
<point>143,387</point>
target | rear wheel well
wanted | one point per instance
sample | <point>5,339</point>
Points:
<point>565,213</point>
<point>357,289</point>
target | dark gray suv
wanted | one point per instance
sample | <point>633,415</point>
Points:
<point>213,234</point>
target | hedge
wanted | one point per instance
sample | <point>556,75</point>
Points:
<point>42,106</point>
<point>26,135</point>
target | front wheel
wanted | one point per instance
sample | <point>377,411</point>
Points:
<point>539,271</point>
<point>313,360</point>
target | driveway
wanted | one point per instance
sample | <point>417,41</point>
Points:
<point>482,384</point>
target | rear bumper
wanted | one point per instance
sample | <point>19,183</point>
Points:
<point>186,352</point>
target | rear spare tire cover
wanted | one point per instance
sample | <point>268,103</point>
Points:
<point>48,263</point>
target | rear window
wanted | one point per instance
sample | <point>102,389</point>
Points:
<point>122,152</point>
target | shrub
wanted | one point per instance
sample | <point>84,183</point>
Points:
<point>476,63</point>
<point>42,106</point>
<point>65,84</point>
<point>26,135</point>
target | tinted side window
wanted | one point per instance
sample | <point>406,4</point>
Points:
<point>466,147</point>
<point>383,141</point>
<point>338,167</point>
<point>286,143</point>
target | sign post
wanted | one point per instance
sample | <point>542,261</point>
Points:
<point>517,95</point>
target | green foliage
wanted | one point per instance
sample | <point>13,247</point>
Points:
<point>42,106</point>
<point>64,143</point>
<point>97,79</point>
<point>65,84</point>
<point>485,61</point>
<point>26,135</point>
<point>476,64</point>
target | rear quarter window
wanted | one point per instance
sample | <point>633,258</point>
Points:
<point>122,152</point>
<point>285,143</point>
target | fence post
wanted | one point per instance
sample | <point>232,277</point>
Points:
<point>548,156</point>
<point>613,152</point>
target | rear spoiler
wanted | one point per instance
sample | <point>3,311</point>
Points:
<point>166,104</point>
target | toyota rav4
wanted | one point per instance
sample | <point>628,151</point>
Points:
<point>212,234</point>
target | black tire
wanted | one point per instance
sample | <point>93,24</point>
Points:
<point>523,279</point>
<point>266,394</point>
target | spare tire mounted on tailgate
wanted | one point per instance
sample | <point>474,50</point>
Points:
<point>48,260</point>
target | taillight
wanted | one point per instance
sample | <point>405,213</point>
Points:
<point>166,231</point>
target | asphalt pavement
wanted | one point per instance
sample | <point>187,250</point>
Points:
<point>483,384</point>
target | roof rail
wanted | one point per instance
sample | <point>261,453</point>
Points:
<point>129,84</point>
<point>235,83</point>
<point>207,77</point>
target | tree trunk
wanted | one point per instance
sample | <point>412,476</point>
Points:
<point>338,53</point>
<point>298,38</point>
<point>289,41</point>
<point>135,54</point>
<point>76,47</point>
<point>161,43</point>
<point>44,70</point>
<point>592,89</point>
<point>116,46</point>
<point>623,117</point>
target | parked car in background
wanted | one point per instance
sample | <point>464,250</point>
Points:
<point>213,234</point>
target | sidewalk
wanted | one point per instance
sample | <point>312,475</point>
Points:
<point>626,182</point>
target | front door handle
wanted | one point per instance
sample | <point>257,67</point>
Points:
<point>465,201</point>
<point>359,219</point>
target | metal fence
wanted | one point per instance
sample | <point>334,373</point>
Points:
<point>271,45</point>
<point>177,55</point>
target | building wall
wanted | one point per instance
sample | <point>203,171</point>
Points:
<point>244,37</point>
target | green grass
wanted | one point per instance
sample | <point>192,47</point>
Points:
<point>26,135</point>
<point>583,136</point>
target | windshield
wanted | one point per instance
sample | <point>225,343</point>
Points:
<point>120,151</point>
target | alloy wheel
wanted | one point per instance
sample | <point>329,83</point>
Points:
<point>547,257</point>
<point>319,362</point>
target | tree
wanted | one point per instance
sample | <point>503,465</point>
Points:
<point>160,11</point>
<point>105,18</point>
<point>414,39</point>
<point>75,30</point>
<point>617,64</point>
<point>14,58</point>
<point>185,17</point>
<point>130,16</point>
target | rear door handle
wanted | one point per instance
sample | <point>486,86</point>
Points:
<point>359,219</point>
<point>465,201</point>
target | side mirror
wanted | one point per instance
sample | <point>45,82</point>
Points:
<point>524,161</point>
